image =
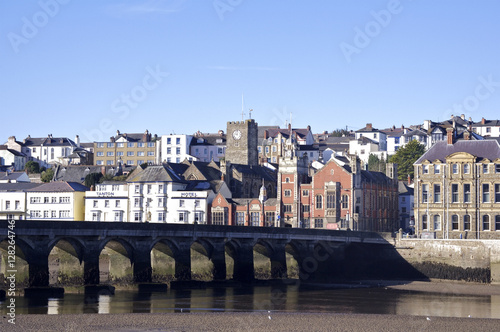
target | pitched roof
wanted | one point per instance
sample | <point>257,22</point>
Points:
<point>48,141</point>
<point>396,132</point>
<point>299,132</point>
<point>416,132</point>
<point>18,186</point>
<point>404,189</point>
<point>487,123</point>
<point>258,171</point>
<point>209,139</point>
<point>12,176</point>
<point>14,152</point>
<point>153,173</point>
<point>77,173</point>
<point>481,149</point>
<point>60,186</point>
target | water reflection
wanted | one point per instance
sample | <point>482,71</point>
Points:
<point>289,298</point>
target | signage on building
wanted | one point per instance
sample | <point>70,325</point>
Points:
<point>189,195</point>
<point>105,193</point>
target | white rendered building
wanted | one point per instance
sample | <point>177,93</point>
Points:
<point>109,202</point>
<point>173,149</point>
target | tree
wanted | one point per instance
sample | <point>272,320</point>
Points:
<point>32,167</point>
<point>339,133</point>
<point>375,164</point>
<point>92,178</point>
<point>47,175</point>
<point>405,157</point>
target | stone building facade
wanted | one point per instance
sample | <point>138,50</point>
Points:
<point>457,190</point>
<point>126,149</point>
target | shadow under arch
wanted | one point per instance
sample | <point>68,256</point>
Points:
<point>65,261</point>
<point>163,262</point>
<point>115,261</point>
<point>179,251</point>
<point>17,258</point>
<point>202,266</point>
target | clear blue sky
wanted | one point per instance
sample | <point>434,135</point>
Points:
<point>84,67</point>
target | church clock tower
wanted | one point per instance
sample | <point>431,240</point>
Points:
<point>241,142</point>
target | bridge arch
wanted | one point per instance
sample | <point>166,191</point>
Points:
<point>65,261</point>
<point>21,250</point>
<point>116,256</point>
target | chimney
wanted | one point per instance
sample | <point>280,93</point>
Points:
<point>409,179</point>
<point>289,126</point>
<point>369,126</point>
<point>117,132</point>
<point>483,121</point>
<point>308,128</point>
<point>265,134</point>
<point>466,135</point>
<point>77,141</point>
<point>449,134</point>
<point>462,116</point>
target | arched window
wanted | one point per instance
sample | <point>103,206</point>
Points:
<point>437,222</point>
<point>454,222</point>
<point>345,201</point>
<point>424,222</point>
<point>319,202</point>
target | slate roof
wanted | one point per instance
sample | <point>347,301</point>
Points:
<point>285,132</point>
<point>416,132</point>
<point>153,173</point>
<point>208,139</point>
<point>366,140</point>
<point>59,186</point>
<point>48,141</point>
<point>18,186</point>
<point>404,189</point>
<point>77,173</point>
<point>481,149</point>
<point>258,171</point>
<point>396,132</point>
<point>14,152</point>
<point>375,177</point>
<point>487,123</point>
<point>135,137</point>
<point>368,129</point>
<point>262,129</point>
<point>209,170</point>
<point>11,176</point>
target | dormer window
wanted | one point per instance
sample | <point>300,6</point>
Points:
<point>437,169</point>
<point>485,168</point>
<point>425,169</point>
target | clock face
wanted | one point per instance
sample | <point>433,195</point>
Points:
<point>236,134</point>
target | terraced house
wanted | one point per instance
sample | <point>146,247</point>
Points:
<point>457,189</point>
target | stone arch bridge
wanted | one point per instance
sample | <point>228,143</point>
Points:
<point>321,254</point>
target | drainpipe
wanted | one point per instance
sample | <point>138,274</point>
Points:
<point>478,205</point>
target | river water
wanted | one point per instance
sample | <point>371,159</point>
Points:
<point>282,298</point>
